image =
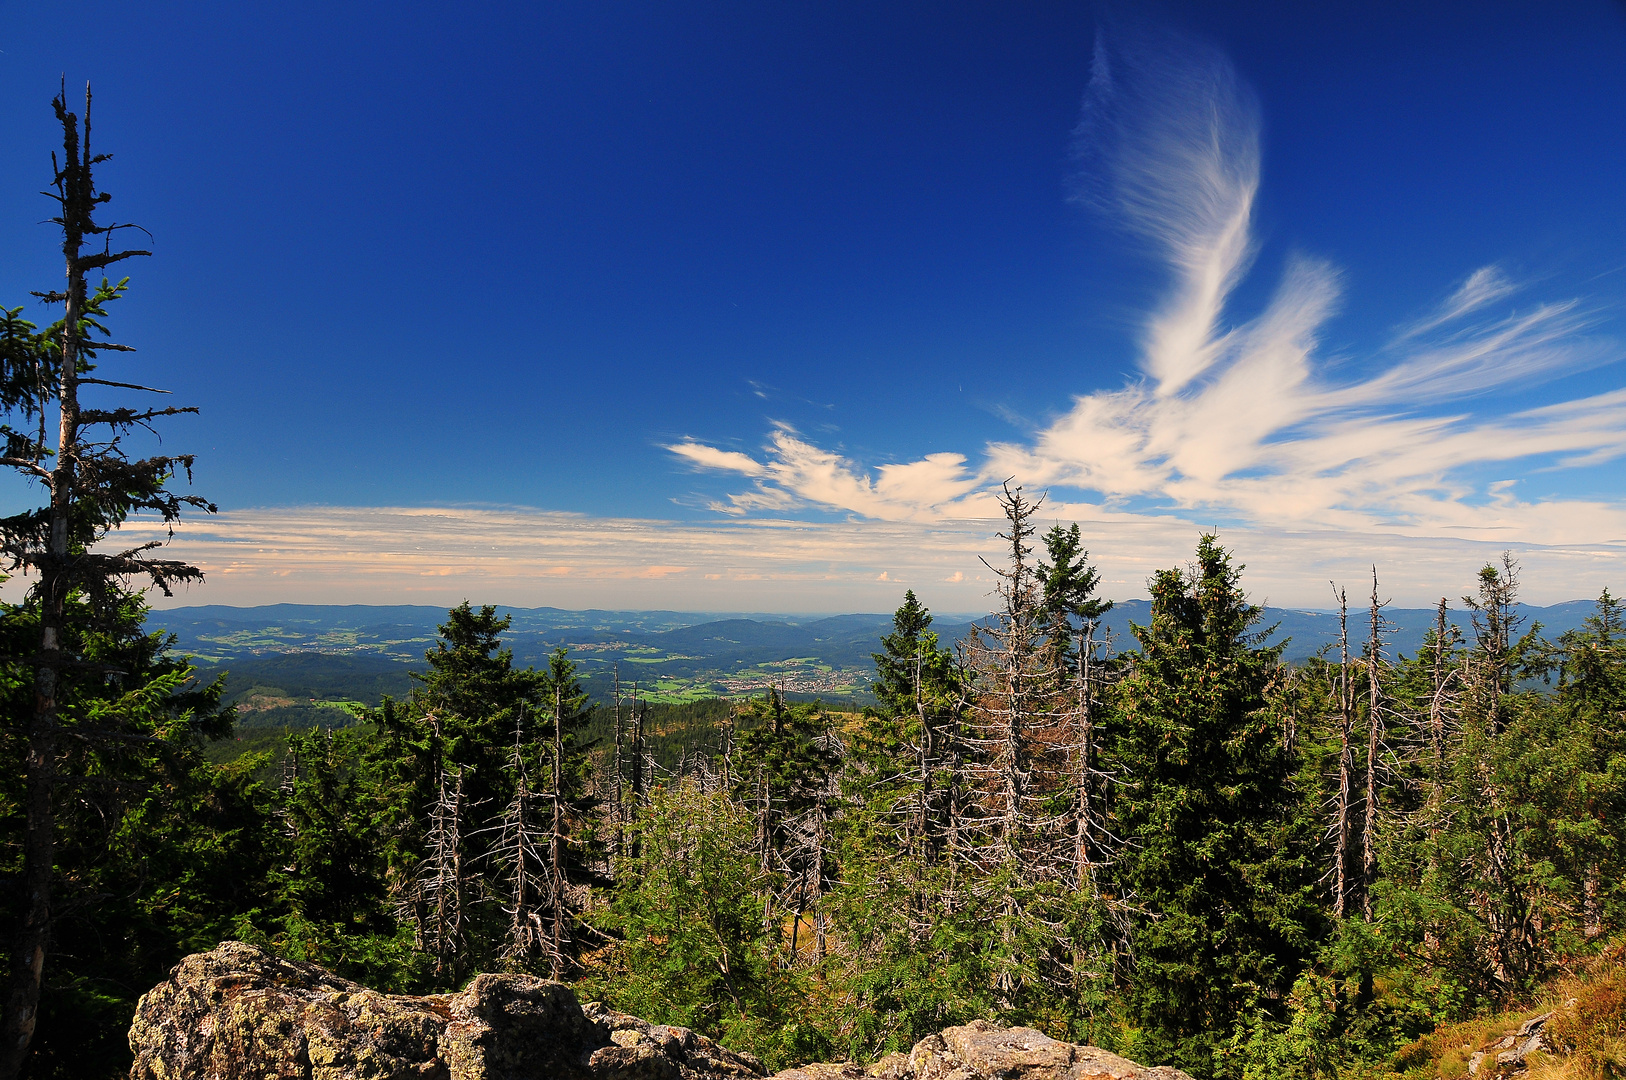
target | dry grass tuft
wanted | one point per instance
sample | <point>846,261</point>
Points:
<point>1588,1030</point>
<point>1443,1053</point>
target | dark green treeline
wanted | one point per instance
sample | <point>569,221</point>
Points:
<point>1177,846</point>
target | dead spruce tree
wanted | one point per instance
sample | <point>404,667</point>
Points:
<point>1375,750</point>
<point>93,486</point>
<point>440,897</point>
<point>1362,773</point>
<point>1012,678</point>
<point>517,855</point>
<point>1027,827</point>
<point>1343,826</point>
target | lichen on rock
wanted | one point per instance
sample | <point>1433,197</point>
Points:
<point>240,1011</point>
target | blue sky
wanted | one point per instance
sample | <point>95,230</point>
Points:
<point>747,306</point>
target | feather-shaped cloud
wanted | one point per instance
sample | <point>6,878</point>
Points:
<point>1244,421</point>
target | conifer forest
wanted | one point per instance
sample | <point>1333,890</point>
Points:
<point>1179,846</point>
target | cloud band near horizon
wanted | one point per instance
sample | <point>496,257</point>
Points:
<point>534,558</point>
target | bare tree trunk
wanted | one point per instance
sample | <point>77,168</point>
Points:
<point>518,843</point>
<point>727,778</point>
<point>1439,677</point>
<point>820,837</point>
<point>764,847</point>
<point>956,811</point>
<point>1374,743</point>
<point>1082,859</point>
<point>519,926</point>
<point>619,809</point>
<point>556,851</point>
<point>637,806</point>
<point>923,795</point>
<point>443,877</point>
<point>1346,766</point>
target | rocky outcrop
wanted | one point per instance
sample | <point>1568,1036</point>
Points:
<point>642,1050</point>
<point>1506,1056</point>
<point>984,1051</point>
<point>988,1052</point>
<point>240,1012</point>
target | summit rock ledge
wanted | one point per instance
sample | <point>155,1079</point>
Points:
<point>239,1011</point>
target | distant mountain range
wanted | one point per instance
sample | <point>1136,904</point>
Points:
<point>294,656</point>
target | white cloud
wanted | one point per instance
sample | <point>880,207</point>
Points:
<point>1172,151</point>
<point>1483,286</point>
<point>798,473</point>
<point>524,557</point>
<point>709,457</point>
<point>1244,421</point>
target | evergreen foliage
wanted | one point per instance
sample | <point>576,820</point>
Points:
<point>1212,854</point>
<point>99,690</point>
<point>807,886</point>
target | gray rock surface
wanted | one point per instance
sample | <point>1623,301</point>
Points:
<point>984,1051</point>
<point>1508,1053</point>
<point>241,1012</point>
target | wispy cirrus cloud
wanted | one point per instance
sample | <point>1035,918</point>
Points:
<point>1484,286</point>
<point>1244,420</point>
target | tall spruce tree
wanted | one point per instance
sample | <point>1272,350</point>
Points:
<point>1212,855</point>
<point>785,768</point>
<point>1072,612</point>
<point>1493,833</point>
<point>907,739</point>
<point>910,957</point>
<point>92,485</point>
<point>1587,806</point>
<point>157,852</point>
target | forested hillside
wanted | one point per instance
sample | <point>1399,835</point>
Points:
<point>1188,850</point>
<point>339,652</point>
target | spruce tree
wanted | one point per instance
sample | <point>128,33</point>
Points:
<point>92,485</point>
<point>330,875</point>
<point>157,852</point>
<point>1584,804</point>
<point>1072,612</point>
<point>908,738</point>
<point>785,768</point>
<point>1213,857</point>
<point>910,956</point>
<point>1492,832</point>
